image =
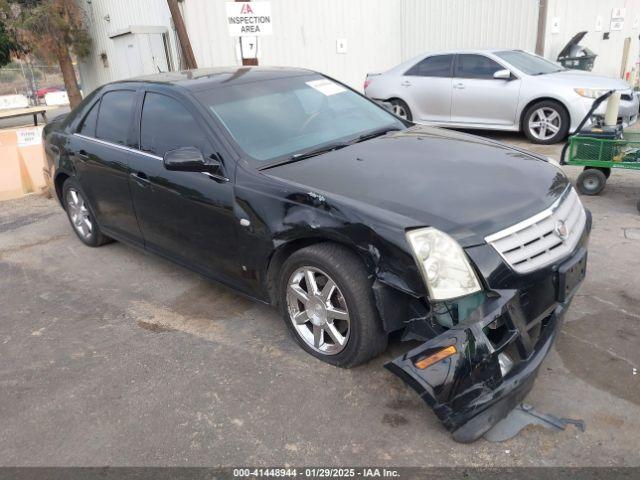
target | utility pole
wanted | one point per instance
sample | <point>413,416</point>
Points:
<point>542,26</point>
<point>183,37</point>
<point>247,61</point>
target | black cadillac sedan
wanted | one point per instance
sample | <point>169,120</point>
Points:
<point>299,192</point>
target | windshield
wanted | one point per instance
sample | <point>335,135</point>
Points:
<point>529,64</point>
<point>283,117</point>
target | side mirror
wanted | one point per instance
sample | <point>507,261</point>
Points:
<point>189,159</point>
<point>502,75</point>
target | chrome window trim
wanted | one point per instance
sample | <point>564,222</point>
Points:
<point>117,145</point>
<point>146,154</point>
<point>529,221</point>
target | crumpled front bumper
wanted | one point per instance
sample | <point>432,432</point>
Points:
<point>467,390</point>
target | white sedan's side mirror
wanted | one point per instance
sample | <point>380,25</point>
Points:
<point>502,75</point>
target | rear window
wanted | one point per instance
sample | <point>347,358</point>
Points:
<point>435,66</point>
<point>114,118</point>
<point>88,125</point>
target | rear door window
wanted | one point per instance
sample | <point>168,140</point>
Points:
<point>114,118</point>
<point>88,125</point>
<point>435,66</point>
<point>166,125</point>
<point>476,66</point>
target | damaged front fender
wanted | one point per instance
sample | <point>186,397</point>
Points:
<point>496,358</point>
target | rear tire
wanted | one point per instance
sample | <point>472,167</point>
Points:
<point>591,181</point>
<point>401,109</point>
<point>546,122</point>
<point>80,215</point>
<point>358,323</point>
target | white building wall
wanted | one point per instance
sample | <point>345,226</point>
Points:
<point>305,34</point>
<point>449,24</point>
<point>575,16</point>
<point>379,33</point>
<point>121,15</point>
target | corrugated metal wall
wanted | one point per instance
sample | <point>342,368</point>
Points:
<point>379,33</point>
<point>573,20</point>
<point>305,35</point>
<point>121,15</point>
<point>447,24</point>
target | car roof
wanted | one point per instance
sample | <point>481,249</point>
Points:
<point>206,78</point>
<point>470,50</point>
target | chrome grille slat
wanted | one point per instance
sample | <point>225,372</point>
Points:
<point>534,243</point>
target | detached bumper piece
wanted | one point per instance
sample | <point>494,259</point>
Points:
<point>474,374</point>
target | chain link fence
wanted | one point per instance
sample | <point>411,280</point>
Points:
<point>30,79</point>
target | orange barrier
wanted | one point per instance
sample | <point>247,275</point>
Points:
<point>21,162</point>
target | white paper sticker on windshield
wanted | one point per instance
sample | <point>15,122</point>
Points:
<point>326,87</point>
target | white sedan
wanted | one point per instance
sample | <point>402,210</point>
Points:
<point>498,90</point>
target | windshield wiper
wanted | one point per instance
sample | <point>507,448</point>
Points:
<point>319,151</point>
<point>309,154</point>
<point>376,133</point>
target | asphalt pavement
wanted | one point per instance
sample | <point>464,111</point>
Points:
<point>110,356</point>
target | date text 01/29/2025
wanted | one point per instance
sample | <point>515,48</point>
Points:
<point>319,472</point>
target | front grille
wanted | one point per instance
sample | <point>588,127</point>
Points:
<point>542,239</point>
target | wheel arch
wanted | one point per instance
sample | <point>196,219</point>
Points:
<point>532,102</point>
<point>58,183</point>
<point>285,250</point>
<point>392,298</point>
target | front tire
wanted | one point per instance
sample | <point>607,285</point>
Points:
<point>546,122</point>
<point>327,303</point>
<point>82,219</point>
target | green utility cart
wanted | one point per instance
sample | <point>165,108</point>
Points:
<point>598,150</point>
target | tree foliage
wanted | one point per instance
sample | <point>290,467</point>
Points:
<point>52,30</point>
<point>42,26</point>
<point>8,44</point>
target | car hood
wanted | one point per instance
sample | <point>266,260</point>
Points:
<point>461,184</point>
<point>580,79</point>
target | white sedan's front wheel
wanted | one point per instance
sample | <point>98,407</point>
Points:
<point>546,122</point>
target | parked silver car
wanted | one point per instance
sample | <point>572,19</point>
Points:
<point>498,90</point>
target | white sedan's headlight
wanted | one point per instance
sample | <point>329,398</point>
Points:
<point>443,264</point>
<point>590,92</point>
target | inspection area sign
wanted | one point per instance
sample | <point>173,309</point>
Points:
<point>249,19</point>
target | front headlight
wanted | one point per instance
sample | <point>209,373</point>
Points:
<point>590,92</point>
<point>444,265</point>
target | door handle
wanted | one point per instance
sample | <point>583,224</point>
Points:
<point>406,83</point>
<point>459,85</point>
<point>83,155</point>
<point>141,179</point>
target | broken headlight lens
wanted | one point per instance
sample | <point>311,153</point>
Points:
<point>444,265</point>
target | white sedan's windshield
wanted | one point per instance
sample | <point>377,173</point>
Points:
<point>529,64</point>
<point>285,116</point>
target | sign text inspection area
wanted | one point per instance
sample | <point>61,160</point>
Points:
<point>249,18</point>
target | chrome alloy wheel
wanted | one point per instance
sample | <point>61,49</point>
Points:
<point>79,214</point>
<point>545,123</point>
<point>400,111</point>
<point>318,310</point>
